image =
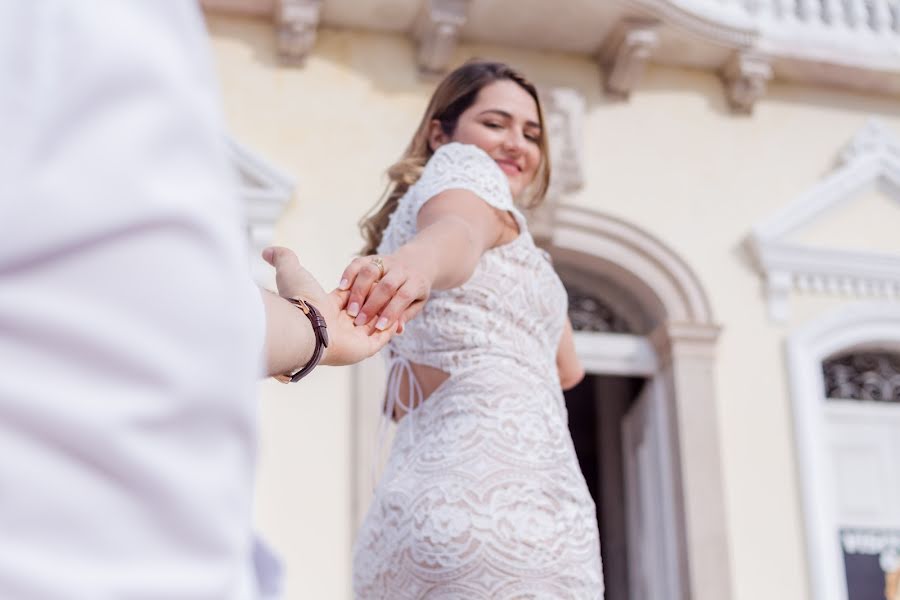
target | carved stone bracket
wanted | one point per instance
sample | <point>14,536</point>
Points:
<point>564,110</point>
<point>437,32</point>
<point>745,77</point>
<point>625,54</point>
<point>297,22</point>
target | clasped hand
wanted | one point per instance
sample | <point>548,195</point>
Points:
<point>388,294</point>
<point>349,344</point>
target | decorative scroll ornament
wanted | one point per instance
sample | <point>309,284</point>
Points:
<point>588,313</point>
<point>875,140</point>
<point>626,53</point>
<point>863,376</point>
<point>564,111</point>
<point>297,22</point>
<point>438,34</point>
<point>746,77</point>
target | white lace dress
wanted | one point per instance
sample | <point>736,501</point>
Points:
<point>482,496</point>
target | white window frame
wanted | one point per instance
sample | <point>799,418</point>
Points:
<point>852,326</point>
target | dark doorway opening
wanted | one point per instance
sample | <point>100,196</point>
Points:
<point>596,408</point>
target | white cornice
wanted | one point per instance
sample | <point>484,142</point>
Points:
<point>872,157</point>
<point>744,42</point>
<point>703,20</point>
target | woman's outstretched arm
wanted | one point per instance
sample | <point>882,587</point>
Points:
<point>455,228</point>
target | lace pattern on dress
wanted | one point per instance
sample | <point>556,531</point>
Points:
<point>482,497</point>
<point>453,166</point>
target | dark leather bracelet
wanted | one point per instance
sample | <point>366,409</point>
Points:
<point>320,329</point>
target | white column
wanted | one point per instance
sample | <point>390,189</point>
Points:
<point>687,353</point>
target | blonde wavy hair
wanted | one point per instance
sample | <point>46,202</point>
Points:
<point>453,96</point>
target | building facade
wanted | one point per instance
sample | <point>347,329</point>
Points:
<point>725,212</point>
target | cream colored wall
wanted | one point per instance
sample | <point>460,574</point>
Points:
<point>869,222</point>
<point>673,160</point>
<point>676,162</point>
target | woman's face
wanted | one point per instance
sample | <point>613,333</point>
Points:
<point>503,121</point>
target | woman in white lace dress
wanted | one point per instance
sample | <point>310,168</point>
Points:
<point>482,496</point>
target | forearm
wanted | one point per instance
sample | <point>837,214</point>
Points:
<point>448,250</point>
<point>290,340</point>
<point>567,362</point>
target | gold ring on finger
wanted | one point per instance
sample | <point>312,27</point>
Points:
<point>376,260</point>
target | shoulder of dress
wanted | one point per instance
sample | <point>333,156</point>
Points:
<point>466,155</point>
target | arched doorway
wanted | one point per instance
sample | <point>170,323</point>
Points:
<point>643,422</point>
<point>609,420</point>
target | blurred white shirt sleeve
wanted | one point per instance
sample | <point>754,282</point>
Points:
<point>130,334</point>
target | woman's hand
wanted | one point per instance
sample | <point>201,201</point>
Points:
<point>455,228</point>
<point>348,344</point>
<point>386,290</point>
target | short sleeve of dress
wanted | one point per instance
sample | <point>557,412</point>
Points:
<point>467,167</point>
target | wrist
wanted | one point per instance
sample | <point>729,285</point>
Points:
<point>311,354</point>
<point>304,340</point>
<point>419,258</point>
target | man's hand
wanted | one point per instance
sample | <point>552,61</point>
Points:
<point>347,344</point>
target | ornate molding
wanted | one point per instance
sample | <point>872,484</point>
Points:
<point>673,340</point>
<point>264,192</point>
<point>625,54</point>
<point>873,140</point>
<point>847,43</point>
<point>745,77</point>
<point>616,354</point>
<point>708,21</point>
<point>437,32</point>
<point>296,23</point>
<point>662,281</point>
<point>590,313</point>
<point>564,111</point>
<point>864,376</point>
<point>873,156</point>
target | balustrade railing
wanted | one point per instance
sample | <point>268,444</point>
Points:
<point>879,18</point>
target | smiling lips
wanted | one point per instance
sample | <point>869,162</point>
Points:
<point>510,167</point>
